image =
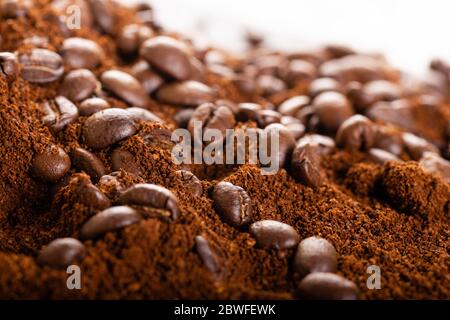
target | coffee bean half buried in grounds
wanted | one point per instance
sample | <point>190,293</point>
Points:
<point>89,163</point>
<point>315,254</point>
<point>137,114</point>
<point>126,87</point>
<point>81,53</point>
<point>107,127</point>
<point>191,183</point>
<point>110,219</point>
<point>381,156</point>
<point>233,204</point>
<point>326,286</point>
<point>274,234</point>
<point>356,133</point>
<point>61,253</point>
<point>324,145</point>
<point>59,113</point>
<point>208,257</point>
<point>305,165</point>
<point>124,160</point>
<point>187,93</point>
<point>78,85</point>
<point>88,194</point>
<point>333,109</point>
<point>51,165</point>
<point>41,66</point>
<point>92,105</point>
<point>145,194</point>
<point>168,55</point>
<point>9,66</point>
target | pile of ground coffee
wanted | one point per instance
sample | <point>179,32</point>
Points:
<point>87,176</point>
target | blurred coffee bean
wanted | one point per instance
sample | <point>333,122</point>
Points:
<point>356,133</point>
<point>182,117</point>
<point>158,137</point>
<point>326,286</point>
<point>126,87</point>
<point>416,146</point>
<point>88,194</point>
<point>104,13</point>
<point>59,113</point>
<point>107,127</point>
<point>205,252</point>
<point>335,51</point>
<point>298,71</point>
<point>62,252</point>
<point>332,109</point>
<point>187,93</point>
<point>80,53</point>
<point>389,140</point>
<point>315,254</point>
<point>9,66</point>
<point>286,142</point>
<point>122,159</point>
<point>233,204</point>
<point>246,85</point>
<point>248,112</point>
<point>269,84</point>
<point>273,234</point>
<point>266,117</point>
<point>294,125</point>
<point>167,55</point>
<point>381,90</point>
<point>143,115</point>
<point>321,85</point>
<point>305,165</point>
<point>92,105</point>
<point>211,116</point>
<point>110,219</point>
<point>11,9</point>
<point>398,112</point>
<point>145,194</point>
<point>63,7</point>
<point>292,106</point>
<point>323,145</point>
<point>381,156</point>
<point>433,163</point>
<point>132,36</point>
<point>191,183</point>
<point>88,162</point>
<point>149,79</point>
<point>78,85</point>
<point>41,66</point>
<point>51,165</point>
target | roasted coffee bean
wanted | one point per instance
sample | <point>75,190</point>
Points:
<point>187,93</point>
<point>88,162</point>
<point>381,90</point>
<point>11,9</point>
<point>381,156</point>
<point>126,87</point>
<point>233,204</point>
<point>333,109</point>
<point>305,165</point>
<point>88,194</point>
<point>324,145</point>
<point>145,194</point>
<point>191,183</point>
<point>61,253</point>
<point>246,85</point>
<point>78,85</point>
<point>248,112</point>
<point>321,85</point>
<point>294,125</point>
<point>273,234</point>
<point>59,113</point>
<point>299,71</point>
<point>286,142</point>
<point>137,114</point>
<point>182,117</point>
<point>389,140</point>
<point>433,163</point>
<point>356,133</point>
<point>266,117</point>
<point>211,116</point>
<point>292,106</point>
<point>80,53</point>
<point>315,254</point>
<point>41,66</point>
<point>107,127</point>
<point>9,66</point>
<point>51,165</point>
<point>92,105</point>
<point>104,14</point>
<point>111,185</point>
<point>132,36</point>
<point>416,146</point>
<point>149,79</point>
<point>110,219</point>
<point>168,55</point>
<point>208,257</point>
<point>336,51</point>
<point>398,112</point>
<point>124,160</point>
<point>326,286</point>
<point>269,85</point>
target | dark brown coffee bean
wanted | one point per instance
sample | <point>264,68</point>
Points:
<point>381,90</point>
<point>326,286</point>
<point>233,204</point>
<point>126,87</point>
<point>266,117</point>
<point>191,183</point>
<point>107,127</point>
<point>149,79</point>
<point>416,146</point>
<point>78,85</point>
<point>324,145</point>
<point>59,113</point>
<point>80,53</point>
<point>211,116</point>
<point>292,106</point>
<point>124,160</point>
<point>321,85</point>
<point>315,254</point>
<point>9,66</point>
<point>132,36</point>
<point>356,133</point>
<point>286,142</point>
<point>433,163</point>
<point>336,51</point>
<point>110,219</point>
<point>145,194</point>
<point>398,112</point>
<point>182,117</point>
<point>248,112</point>
<point>305,165</point>
<point>299,71</point>
<point>61,253</point>
<point>333,109</point>
<point>88,194</point>
<point>273,234</point>
<point>92,105</point>
<point>294,125</point>
<point>208,257</point>
<point>104,13</point>
<point>11,9</point>
<point>389,140</point>
<point>51,165</point>
<point>381,156</point>
<point>137,114</point>
<point>41,66</point>
<point>168,55</point>
<point>270,85</point>
<point>86,161</point>
<point>187,93</point>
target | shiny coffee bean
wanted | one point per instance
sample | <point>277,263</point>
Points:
<point>139,114</point>
<point>416,146</point>
<point>269,85</point>
<point>433,163</point>
<point>187,93</point>
<point>61,253</point>
<point>248,112</point>
<point>80,53</point>
<point>292,106</point>
<point>104,13</point>
<point>145,194</point>
<point>381,156</point>
<point>299,71</point>
<point>92,105</point>
<point>182,117</point>
<point>149,79</point>
<point>168,55</point>
<point>205,252</point>
<point>122,159</point>
<point>321,85</point>
<point>125,86</point>
<point>88,162</point>
<point>78,85</point>
<point>398,112</point>
<point>266,117</point>
<point>389,140</point>
<point>233,204</point>
<point>41,66</point>
<point>107,127</point>
<point>132,36</point>
<point>286,142</point>
<point>110,219</point>
<point>356,133</point>
<point>332,109</point>
<point>323,145</point>
<point>51,165</point>
<point>211,116</point>
<point>9,66</point>
<point>305,165</point>
<point>315,254</point>
<point>381,90</point>
<point>273,234</point>
<point>297,129</point>
<point>191,183</point>
<point>59,113</point>
<point>326,286</point>
<point>88,194</point>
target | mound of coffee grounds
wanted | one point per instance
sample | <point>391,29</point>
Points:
<point>88,179</point>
